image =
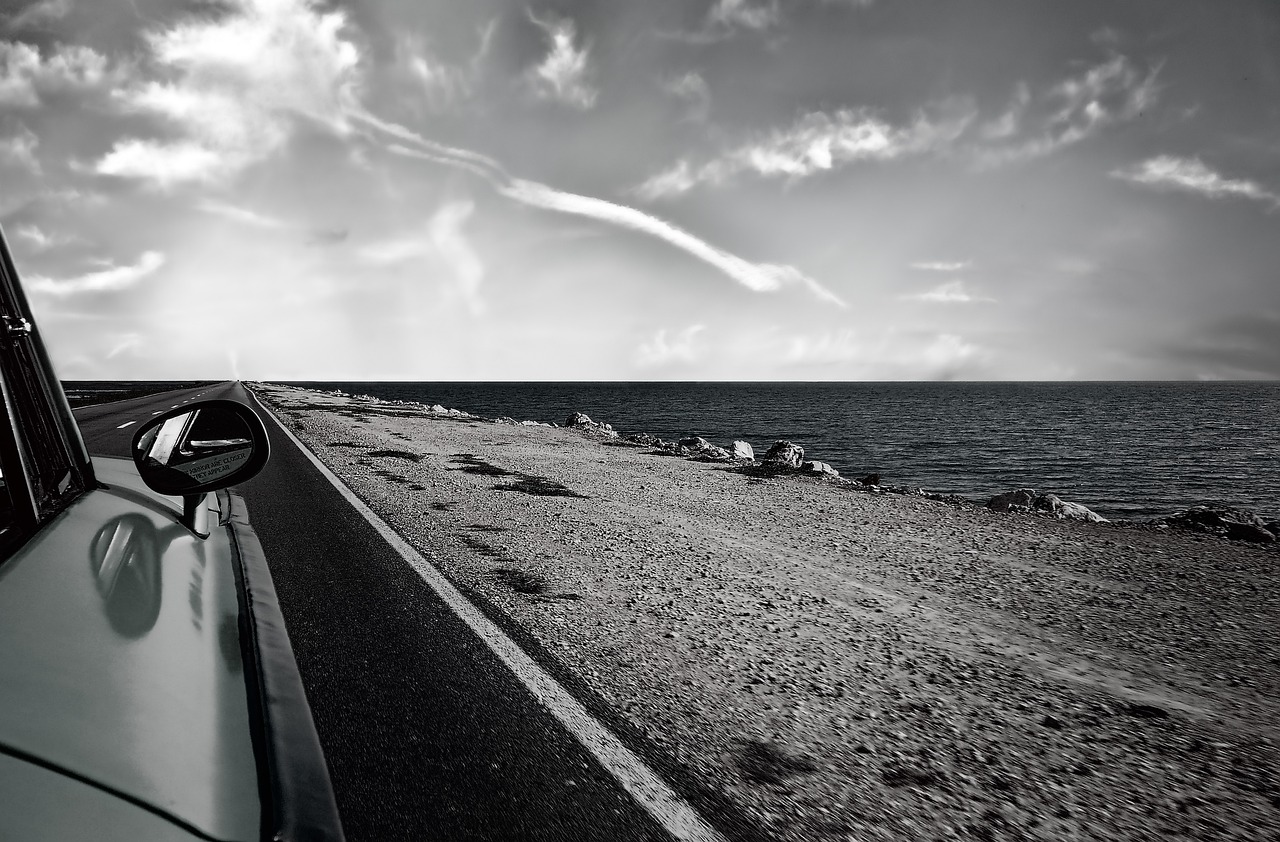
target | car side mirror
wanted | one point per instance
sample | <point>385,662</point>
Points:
<point>200,447</point>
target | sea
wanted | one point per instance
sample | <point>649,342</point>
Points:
<point>1125,450</point>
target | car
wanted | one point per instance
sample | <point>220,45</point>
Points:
<point>148,690</point>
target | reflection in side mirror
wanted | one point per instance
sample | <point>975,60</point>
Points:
<point>201,447</point>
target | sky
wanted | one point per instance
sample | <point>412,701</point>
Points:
<point>659,190</point>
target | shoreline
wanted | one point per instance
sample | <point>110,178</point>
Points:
<point>835,662</point>
<point>1187,516</point>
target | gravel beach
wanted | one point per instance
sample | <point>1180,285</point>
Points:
<point>837,664</point>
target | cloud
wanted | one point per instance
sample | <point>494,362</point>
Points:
<point>1190,175</point>
<point>40,13</point>
<point>662,350</point>
<point>692,89</point>
<point>941,265</point>
<point>1071,111</point>
<point>235,87</point>
<point>759,277</point>
<point>26,74</point>
<point>106,280</point>
<point>951,292</point>
<point>451,244</point>
<point>239,214</point>
<point>39,239</point>
<point>443,240</point>
<point>889,354</point>
<point>744,14</point>
<point>20,150</point>
<point>166,164</point>
<point>817,142</point>
<point>443,84</point>
<point>122,343</point>
<point>563,74</point>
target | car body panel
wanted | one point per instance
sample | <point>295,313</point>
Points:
<point>120,657</point>
<point>39,805</point>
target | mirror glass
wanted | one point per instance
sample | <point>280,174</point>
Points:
<point>202,447</point>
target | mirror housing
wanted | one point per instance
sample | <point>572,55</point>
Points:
<point>200,447</point>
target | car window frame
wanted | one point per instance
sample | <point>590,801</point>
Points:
<point>36,390</point>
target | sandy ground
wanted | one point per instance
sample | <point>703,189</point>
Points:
<point>845,665</point>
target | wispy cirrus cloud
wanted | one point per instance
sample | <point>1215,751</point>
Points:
<point>113,279</point>
<point>950,292</point>
<point>564,73</point>
<point>1191,175</point>
<point>443,84</point>
<point>759,277</point>
<point>941,265</point>
<point>239,214</point>
<point>817,142</point>
<point>1032,126</point>
<point>27,74</point>
<point>1067,113</point>
<point>669,347</point>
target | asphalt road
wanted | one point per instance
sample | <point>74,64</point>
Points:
<point>427,734</point>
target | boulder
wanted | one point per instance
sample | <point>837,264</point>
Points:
<point>870,479</point>
<point>644,439</point>
<point>1237,524</point>
<point>1061,509</point>
<point>743,452</point>
<point>695,443</point>
<point>581,421</point>
<point>1027,500</point>
<point>714,453</point>
<point>784,454</point>
<point>820,468</point>
<point>1015,500</point>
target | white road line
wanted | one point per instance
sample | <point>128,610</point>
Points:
<point>671,811</point>
<point>157,412</point>
<point>126,424</point>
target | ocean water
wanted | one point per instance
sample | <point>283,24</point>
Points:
<point>1126,450</point>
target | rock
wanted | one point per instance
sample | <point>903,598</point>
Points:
<point>1015,500</point>
<point>645,439</point>
<point>1237,524</point>
<point>695,443</point>
<point>714,453</point>
<point>820,468</point>
<point>743,452</point>
<point>1063,510</point>
<point>438,408</point>
<point>785,454</point>
<point>582,421</point>
<point>1027,500</point>
<point>870,479</point>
